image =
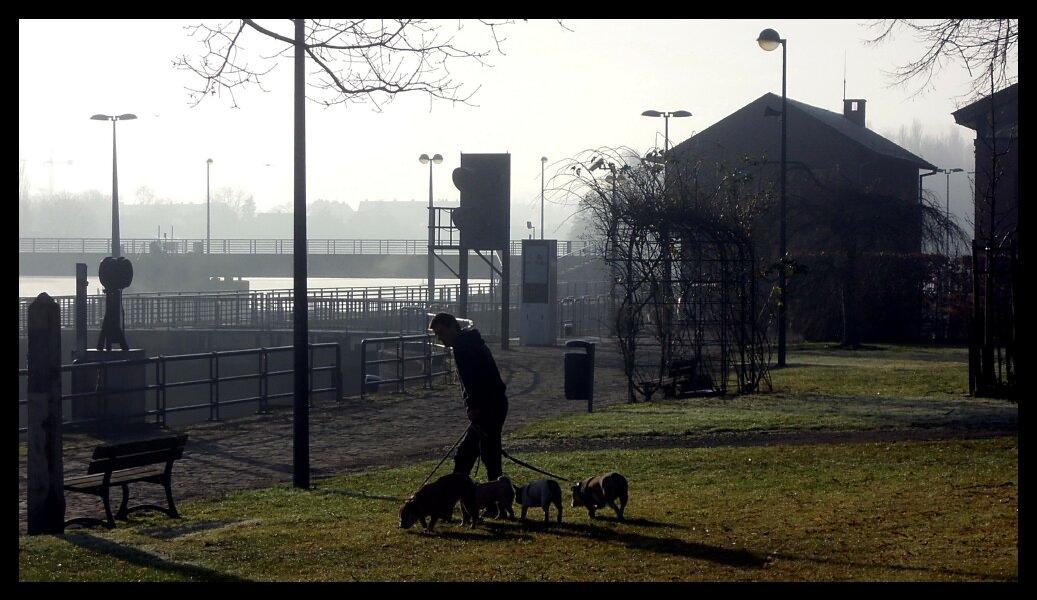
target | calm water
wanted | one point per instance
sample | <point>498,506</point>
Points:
<point>66,286</point>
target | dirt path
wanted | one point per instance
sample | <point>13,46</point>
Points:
<point>391,429</point>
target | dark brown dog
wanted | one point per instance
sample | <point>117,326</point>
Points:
<point>436,501</point>
<point>499,495</point>
<point>596,492</point>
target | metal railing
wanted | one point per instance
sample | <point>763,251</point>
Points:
<point>427,355</point>
<point>161,383</point>
<point>257,309</point>
<point>132,246</point>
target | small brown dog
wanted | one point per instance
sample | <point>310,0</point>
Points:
<point>436,501</point>
<point>498,495</point>
<point>596,492</point>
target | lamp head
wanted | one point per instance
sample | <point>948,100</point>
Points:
<point>955,170</point>
<point>126,117</point>
<point>680,113</point>
<point>208,161</point>
<point>437,158</point>
<point>101,118</point>
<point>529,225</point>
<point>769,39</point>
<point>543,159</point>
<point>651,113</point>
<point>423,159</point>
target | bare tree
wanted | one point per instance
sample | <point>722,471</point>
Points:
<point>987,48</point>
<point>351,61</point>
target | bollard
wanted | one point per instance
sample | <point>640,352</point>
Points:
<point>46,496</point>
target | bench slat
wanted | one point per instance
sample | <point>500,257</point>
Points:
<point>124,476</point>
<point>117,463</point>
<point>139,446</point>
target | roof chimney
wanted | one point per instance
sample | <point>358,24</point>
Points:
<point>853,109</point>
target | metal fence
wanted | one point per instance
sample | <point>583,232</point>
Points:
<point>427,353</point>
<point>355,309</point>
<point>161,383</point>
<point>256,246</point>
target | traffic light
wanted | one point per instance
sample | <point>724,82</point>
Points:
<point>485,212</point>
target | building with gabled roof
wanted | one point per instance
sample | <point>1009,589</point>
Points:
<point>827,154</point>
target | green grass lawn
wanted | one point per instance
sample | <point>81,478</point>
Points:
<point>898,511</point>
<point>892,387</point>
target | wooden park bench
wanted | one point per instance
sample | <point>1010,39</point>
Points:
<point>148,461</point>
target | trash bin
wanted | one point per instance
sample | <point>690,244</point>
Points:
<point>579,372</point>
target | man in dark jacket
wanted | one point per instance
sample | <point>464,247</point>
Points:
<point>483,392</point>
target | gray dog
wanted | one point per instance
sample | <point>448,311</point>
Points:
<point>596,492</point>
<point>542,493</point>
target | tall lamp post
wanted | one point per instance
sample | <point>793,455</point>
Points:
<point>770,40</point>
<point>116,245</point>
<point>666,123</point>
<point>543,161</point>
<point>436,159</point>
<point>947,242</point>
<point>208,211</point>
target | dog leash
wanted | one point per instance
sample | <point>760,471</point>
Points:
<point>446,455</point>
<point>529,466</point>
<point>515,460</point>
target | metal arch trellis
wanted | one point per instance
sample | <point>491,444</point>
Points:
<point>688,316</point>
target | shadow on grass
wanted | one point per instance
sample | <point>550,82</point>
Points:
<point>147,559</point>
<point>662,545</point>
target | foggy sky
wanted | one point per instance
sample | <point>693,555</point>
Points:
<point>555,92</point>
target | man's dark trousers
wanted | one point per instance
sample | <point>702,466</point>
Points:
<point>482,440</point>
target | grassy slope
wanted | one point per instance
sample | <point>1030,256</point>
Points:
<point>892,387</point>
<point>902,511</point>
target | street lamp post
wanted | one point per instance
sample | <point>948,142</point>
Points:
<point>947,242</point>
<point>770,40</point>
<point>529,225</point>
<point>116,245</point>
<point>208,211</point>
<point>543,161</point>
<point>666,123</point>
<point>436,159</point>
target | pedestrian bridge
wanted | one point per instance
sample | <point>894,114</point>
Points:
<point>270,257</point>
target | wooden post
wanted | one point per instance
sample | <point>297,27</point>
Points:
<point>46,496</point>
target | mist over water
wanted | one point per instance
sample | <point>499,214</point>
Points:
<point>66,286</point>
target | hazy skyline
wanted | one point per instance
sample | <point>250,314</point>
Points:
<point>553,93</point>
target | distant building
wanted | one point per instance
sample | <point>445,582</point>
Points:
<point>997,299</point>
<point>826,151</point>
<point>821,144</point>
<point>1004,187</point>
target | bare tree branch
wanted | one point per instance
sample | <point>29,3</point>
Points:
<point>982,46</point>
<point>365,60</point>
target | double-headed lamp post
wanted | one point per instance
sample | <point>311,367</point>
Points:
<point>543,161</point>
<point>208,211</point>
<point>666,123</point>
<point>770,40</point>
<point>116,245</point>
<point>436,159</point>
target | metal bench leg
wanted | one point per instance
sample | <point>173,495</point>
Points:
<point>125,502</point>
<point>110,521</point>
<point>169,498</point>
